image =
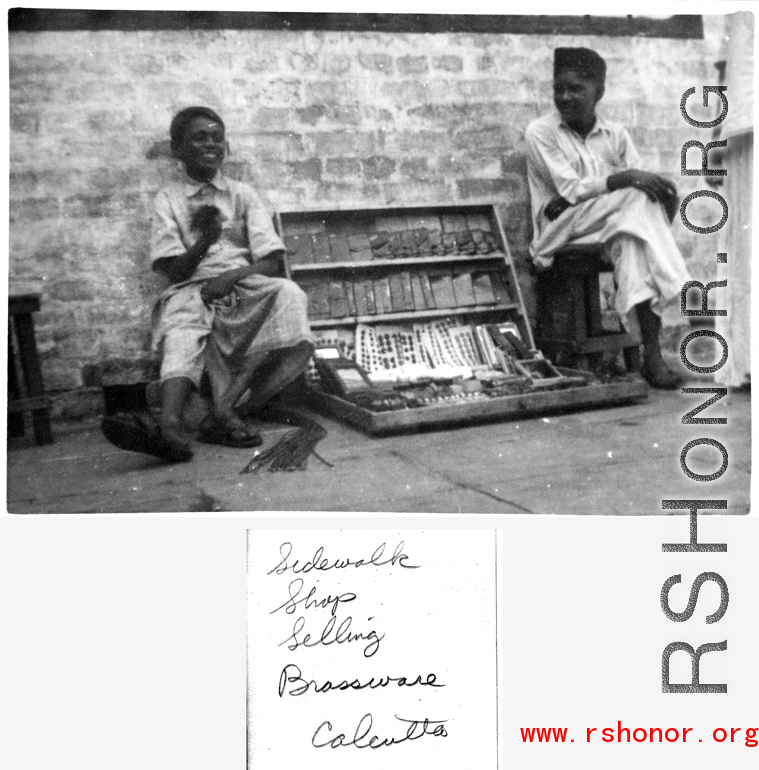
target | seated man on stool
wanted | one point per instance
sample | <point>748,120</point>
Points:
<point>587,188</point>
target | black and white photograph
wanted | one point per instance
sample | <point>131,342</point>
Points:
<point>440,263</point>
<point>379,387</point>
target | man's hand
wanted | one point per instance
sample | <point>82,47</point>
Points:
<point>212,234</point>
<point>219,287</point>
<point>556,207</point>
<point>656,187</point>
<point>207,220</point>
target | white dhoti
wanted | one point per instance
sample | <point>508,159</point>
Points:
<point>637,240</point>
<point>229,335</point>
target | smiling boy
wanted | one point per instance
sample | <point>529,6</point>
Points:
<point>586,187</point>
<point>225,312</point>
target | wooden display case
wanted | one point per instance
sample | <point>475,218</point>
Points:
<point>325,247</point>
<point>409,266</point>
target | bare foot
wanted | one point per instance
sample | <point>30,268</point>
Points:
<point>228,429</point>
<point>658,374</point>
<point>173,431</point>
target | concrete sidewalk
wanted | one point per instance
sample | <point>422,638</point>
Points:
<point>612,461</point>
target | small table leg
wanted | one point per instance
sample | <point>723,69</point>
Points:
<point>30,365</point>
<point>15,420</point>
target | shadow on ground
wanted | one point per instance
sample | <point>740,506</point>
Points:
<point>613,461</point>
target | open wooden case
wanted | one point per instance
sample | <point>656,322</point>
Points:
<point>426,302</point>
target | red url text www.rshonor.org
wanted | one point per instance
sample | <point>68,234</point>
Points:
<point>620,734</point>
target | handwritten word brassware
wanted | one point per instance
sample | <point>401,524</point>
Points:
<point>292,675</point>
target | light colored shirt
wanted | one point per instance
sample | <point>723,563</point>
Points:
<point>561,162</point>
<point>247,231</point>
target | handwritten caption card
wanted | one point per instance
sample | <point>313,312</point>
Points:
<point>373,647</point>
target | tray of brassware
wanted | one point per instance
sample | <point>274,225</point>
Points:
<point>415,394</point>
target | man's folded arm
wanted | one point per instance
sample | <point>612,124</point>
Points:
<point>550,160</point>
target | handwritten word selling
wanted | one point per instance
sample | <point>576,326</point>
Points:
<point>332,635</point>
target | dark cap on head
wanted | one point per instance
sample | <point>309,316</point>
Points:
<point>584,61</point>
<point>184,117</point>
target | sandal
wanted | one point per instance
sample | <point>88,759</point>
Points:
<point>229,436</point>
<point>140,432</point>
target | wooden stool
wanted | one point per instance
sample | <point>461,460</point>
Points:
<point>569,320</point>
<point>31,397</point>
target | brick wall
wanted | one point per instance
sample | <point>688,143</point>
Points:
<point>315,119</point>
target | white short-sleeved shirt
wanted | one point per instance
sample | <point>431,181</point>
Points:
<point>561,162</point>
<point>247,230</point>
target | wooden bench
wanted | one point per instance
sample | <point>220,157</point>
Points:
<point>569,322</point>
<point>26,393</point>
